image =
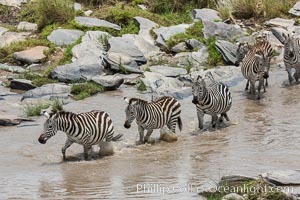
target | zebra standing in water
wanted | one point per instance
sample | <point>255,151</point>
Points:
<point>152,115</point>
<point>255,67</point>
<point>244,49</point>
<point>213,100</point>
<point>87,129</point>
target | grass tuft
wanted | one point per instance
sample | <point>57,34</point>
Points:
<point>84,90</point>
<point>35,110</point>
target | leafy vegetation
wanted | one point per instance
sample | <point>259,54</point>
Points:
<point>141,86</point>
<point>86,89</point>
<point>38,80</point>
<point>67,56</point>
<point>35,110</point>
<point>56,106</point>
<point>215,56</point>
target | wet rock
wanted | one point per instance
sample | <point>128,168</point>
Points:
<point>144,46</point>
<point>280,22</point>
<point>232,196</point>
<point>235,179</point>
<point>194,44</point>
<point>106,149</point>
<point>14,69</point>
<point>110,82</point>
<point>77,71</point>
<point>77,6</point>
<point>296,9</point>
<point>48,89</point>
<point>12,120</point>
<point>9,37</point>
<point>206,14</point>
<point>27,26</point>
<point>228,51</point>
<point>180,47</point>
<point>145,26</point>
<point>12,2</point>
<point>165,33</point>
<point>64,37</point>
<point>32,55</point>
<point>168,71</point>
<point>221,30</point>
<point>251,40</point>
<point>88,12</point>
<point>3,30</point>
<point>21,84</point>
<point>279,178</point>
<point>95,22</point>
<point>167,135</point>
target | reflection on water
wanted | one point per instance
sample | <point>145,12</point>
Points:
<point>262,136</point>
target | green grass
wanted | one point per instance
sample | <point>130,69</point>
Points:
<point>141,86</point>
<point>6,53</point>
<point>56,106</point>
<point>67,56</point>
<point>215,57</point>
<point>35,110</point>
<point>84,90</point>
<point>38,80</point>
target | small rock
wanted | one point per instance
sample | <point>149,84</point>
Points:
<point>251,40</point>
<point>106,149</point>
<point>143,7</point>
<point>13,69</point>
<point>280,22</point>
<point>64,37</point>
<point>95,22</point>
<point>12,2</point>
<point>32,55</point>
<point>221,30</point>
<point>27,26</point>
<point>228,51</point>
<point>167,135</point>
<point>88,12</point>
<point>12,120</point>
<point>9,37</point>
<point>110,82</point>
<point>21,84</point>
<point>193,44</point>
<point>77,6</point>
<point>180,47</point>
<point>233,196</point>
<point>279,178</point>
<point>206,14</point>
<point>168,71</point>
<point>296,9</point>
<point>3,30</point>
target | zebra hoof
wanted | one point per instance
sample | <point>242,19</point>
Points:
<point>137,143</point>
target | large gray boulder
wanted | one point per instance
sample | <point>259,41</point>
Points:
<point>282,177</point>
<point>32,55</point>
<point>48,89</point>
<point>168,71</point>
<point>296,9</point>
<point>9,37</point>
<point>206,14</point>
<point>12,2</point>
<point>21,84</point>
<point>250,39</point>
<point>7,120</point>
<point>145,26</point>
<point>280,22</point>
<point>228,51</point>
<point>77,71</point>
<point>95,22</point>
<point>193,44</point>
<point>64,37</point>
<point>3,30</point>
<point>192,59</point>
<point>221,30</point>
<point>27,26</point>
<point>110,82</point>
<point>180,47</point>
<point>165,33</point>
<point>15,69</point>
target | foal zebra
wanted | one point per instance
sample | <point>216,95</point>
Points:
<point>213,100</point>
<point>152,115</point>
<point>255,67</point>
<point>87,129</point>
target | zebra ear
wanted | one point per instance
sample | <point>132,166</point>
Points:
<point>46,114</point>
<point>199,77</point>
<point>126,99</point>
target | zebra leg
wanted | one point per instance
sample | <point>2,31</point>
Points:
<point>147,137</point>
<point>289,75</point>
<point>252,89</point>
<point>200,115</point>
<point>214,120</point>
<point>172,124</point>
<point>87,150</point>
<point>266,84</point>
<point>141,132</point>
<point>226,116</point>
<point>296,76</point>
<point>261,83</point>
<point>247,85</point>
<point>68,143</point>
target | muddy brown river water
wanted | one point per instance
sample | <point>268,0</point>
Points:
<point>263,136</point>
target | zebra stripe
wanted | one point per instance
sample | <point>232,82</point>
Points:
<point>255,67</point>
<point>292,56</point>
<point>153,115</point>
<point>87,129</point>
<point>213,100</point>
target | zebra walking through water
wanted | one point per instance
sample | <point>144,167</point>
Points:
<point>214,99</point>
<point>87,129</point>
<point>152,115</point>
<point>255,67</point>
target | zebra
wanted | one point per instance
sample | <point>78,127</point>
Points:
<point>213,100</point>
<point>292,56</point>
<point>255,67</point>
<point>87,129</point>
<point>152,115</point>
<point>244,49</point>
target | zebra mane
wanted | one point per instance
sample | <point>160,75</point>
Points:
<point>137,99</point>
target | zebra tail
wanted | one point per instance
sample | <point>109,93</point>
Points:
<point>117,137</point>
<point>179,123</point>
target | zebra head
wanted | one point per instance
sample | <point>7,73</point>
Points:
<point>288,45</point>
<point>50,128</point>
<point>130,111</point>
<point>241,51</point>
<point>263,64</point>
<point>198,89</point>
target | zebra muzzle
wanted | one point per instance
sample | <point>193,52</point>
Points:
<point>127,125</point>
<point>195,100</point>
<point>42,139</point>
<point>266,75</point>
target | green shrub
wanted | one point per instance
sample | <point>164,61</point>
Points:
<point>225,11</point>
<point>38,80</point>
<point>141,86</point>
<point>84,90</point>
<point>56,106</point>
<point>35,110</point>
<point>214,57</point>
